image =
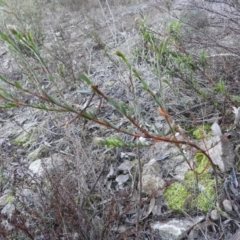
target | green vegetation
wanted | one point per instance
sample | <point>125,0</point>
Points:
<point>201,132</point>
<point>193,193</point>
<point>165,90</point>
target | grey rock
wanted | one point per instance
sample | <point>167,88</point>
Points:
<point>227,205</point>
<point>175,229</point>
<point>151,178</point>
<point>214,215</point>
<point>174,162</point>
<point>221,152</point>
<point>126,166</point>
<point>6,225</point>
<point>236,236</point>
<point>5,199</point>
<point>8,210</point>
<point>40,167</point>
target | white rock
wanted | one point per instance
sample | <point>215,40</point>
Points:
<point>121,179</point>
<point>39,167</point>
<point>220,151</point>
<point>214,215</point>
<point>175,229</point>
<point>125,166</point>
<point>227,205</point>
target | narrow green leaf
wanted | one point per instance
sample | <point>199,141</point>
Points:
<point>113,103</point>
<point>4,36</point>
<point>17,84</point>
<point>86,79</point>
<point>51,98</point>
<point>110,124</point>
<point>135,73</point>
<point>10,105</point>
<point>121,55</point>
<point>69,107</point>
<point>123,109</point>
<point>88,115</point>
<point>29,36</point>
<point>144,85</point>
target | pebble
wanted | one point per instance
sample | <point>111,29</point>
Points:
<point>214,215</point>
<point>227,205</point>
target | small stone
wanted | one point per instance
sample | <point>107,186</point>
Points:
<point>227,205</point>
<point>214,215</point>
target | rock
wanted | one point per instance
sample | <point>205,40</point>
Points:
<point>120,229</point>
<point>8,210</point>
<point>195,234</point>
<point>222,152</point>
<point>40,166</point>
<point>173,162</point>
<point>175,229</point>
<point>26,195</point>
<point>227,205</point>
<point>6,225</point>
<point>5,199</point>
<point>151,178</point>
<point>236,236</point>
<point>126,166</point>
<point>214,215</point>
<point>121,179</point>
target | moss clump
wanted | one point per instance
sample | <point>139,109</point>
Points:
<point>201,132</point>
<point>201,163</point>
<point>175,195</point>
<point>200,191</point>
<point>203,189</point>
<point>206,197</point>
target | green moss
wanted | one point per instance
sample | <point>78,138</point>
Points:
<point>200,191</point>
<point>201,162</point>
<point>200,132</point>
<point>206,197</point>
<point>175,196</point>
